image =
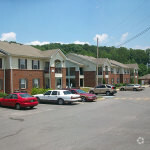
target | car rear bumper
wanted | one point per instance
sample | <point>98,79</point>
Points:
<point>29,104</point>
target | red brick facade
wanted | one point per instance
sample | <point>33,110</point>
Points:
<point>29,75</point>
<point>63,77</point>
<point>89,78</point>
<point>77,79</point>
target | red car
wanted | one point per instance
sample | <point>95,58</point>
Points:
<point>84,96</point>
<point>19,100</point>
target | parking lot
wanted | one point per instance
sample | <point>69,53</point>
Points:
<point>113,122</point>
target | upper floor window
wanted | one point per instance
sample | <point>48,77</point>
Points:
<point>117,70</point>
<point>22,63</point>
<point>1,84</point>
<point>99,70</point>
<point>35,64</point>
<point>106,70</point>
<point>0,63</point>
<point>81,71</point>
<point>112,70</point>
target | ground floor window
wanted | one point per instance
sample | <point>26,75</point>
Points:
<point>81,83</point>
<point>1,84</point>
<point>70,82</point>
<point>36,83</point>
<point>23,83</point>
<point>112,80</point>
<point>118,80</point>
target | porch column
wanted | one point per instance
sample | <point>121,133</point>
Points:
<point>77,79</point>
<point>63,77</point>
<point>52,77</point>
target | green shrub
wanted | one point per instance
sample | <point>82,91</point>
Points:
<point>35,91</point>
<point>2,94</point>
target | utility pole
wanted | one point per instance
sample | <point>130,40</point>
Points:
<point>97,61</point>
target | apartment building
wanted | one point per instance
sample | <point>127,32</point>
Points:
<point>23,67</point>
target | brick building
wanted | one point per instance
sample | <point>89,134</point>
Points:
<point>23,67</point>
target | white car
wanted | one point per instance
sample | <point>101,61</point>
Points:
<point>58,96</point>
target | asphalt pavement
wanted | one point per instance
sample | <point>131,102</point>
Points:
<point>120,122</point>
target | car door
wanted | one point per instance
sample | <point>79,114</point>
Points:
<point>13,100</point>
<point>6,100</point>
<point>46,96</point>
<point>54,96</point>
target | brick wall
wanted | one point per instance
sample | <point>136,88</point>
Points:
<point>77,79</point>
<point>89,78</point>
<point>25,74</point>
<point>63,77</point>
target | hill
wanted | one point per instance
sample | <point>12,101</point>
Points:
<point>122,54</point>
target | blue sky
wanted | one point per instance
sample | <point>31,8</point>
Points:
<point>75,21</point>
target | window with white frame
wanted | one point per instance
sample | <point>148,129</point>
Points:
<point>23,83</point>
<point>35,64</point>
<point>22,63</point>
<point>36,83</point>
<point>112,70</point>
<point>117,70</point>
<point>1,84</point>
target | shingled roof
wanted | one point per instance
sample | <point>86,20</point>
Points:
<point>134,66</point>
<point>145,77</point>
<point>118,64</point>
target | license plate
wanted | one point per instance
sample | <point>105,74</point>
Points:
<point>32,101</point>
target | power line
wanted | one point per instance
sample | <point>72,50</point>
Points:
<point>134,37</point>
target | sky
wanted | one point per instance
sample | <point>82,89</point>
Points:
<point>39,22</point>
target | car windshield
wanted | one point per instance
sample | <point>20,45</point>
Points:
<point>67,92</point>
<point>80,91</point>
<point>25,95</point>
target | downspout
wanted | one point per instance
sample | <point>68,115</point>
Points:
<point>11,73</point>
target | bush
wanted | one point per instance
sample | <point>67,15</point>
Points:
<point>35,91</point>
<point>2,94</point>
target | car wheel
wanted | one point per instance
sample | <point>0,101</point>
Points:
<point>122,89</point>
<point>108,93</point>
<point>134,89</point>
<point>60,101</point>
<point>38,99</point>
<point>83,99</point>
<point>0,104</point>
<point>18,107</point>
<point>31,107</point>
<point>92,92</point>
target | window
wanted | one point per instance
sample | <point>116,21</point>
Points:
<point>36,83</point>
<point>118,80</point>
<point>73,92</point>
<point>72,71</point>
<point>99,70</point>
<point>0,63</point>
<point>106,70</point>
<point>25,95</point>
<point>117,70</point>
<point>81,71</point>
<point>22,63</point>
<point>54,93</point>
<point>23,83</point>
<point>112,70</point>
<point>112,80</point>
<point>35,64</point>
<point>67,92</point>
<point>1,84</point>
<point>48,93</point>
<point>14,96</point>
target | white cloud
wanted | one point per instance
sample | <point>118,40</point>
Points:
<point>124,36</point>
<point>101,37</point>
<point>37,43</point>
<point>82,43</point>
<point>11,36</point>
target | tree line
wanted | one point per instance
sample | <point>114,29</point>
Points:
<point>122,54</point>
